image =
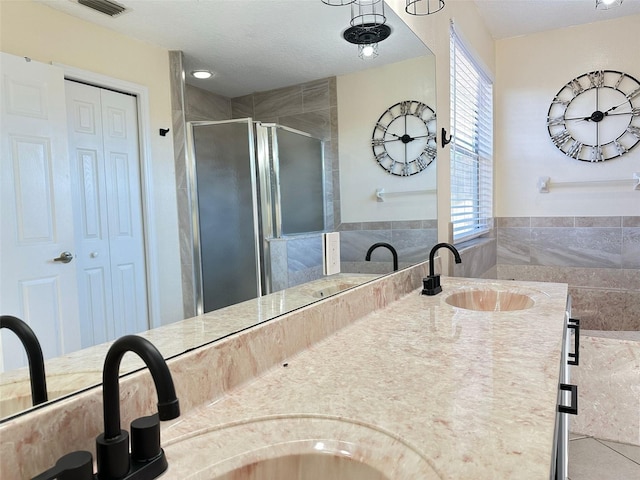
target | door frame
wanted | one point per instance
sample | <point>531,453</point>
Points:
<point>141,93</point>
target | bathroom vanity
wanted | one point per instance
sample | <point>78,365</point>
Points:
<point>454,393</point>
<point>407,385</point>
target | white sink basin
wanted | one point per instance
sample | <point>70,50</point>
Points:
<point>327,286</point>
<point>333,289</point>
<point>318,466</point>
<point>490,300</point>
<point>296,447</point>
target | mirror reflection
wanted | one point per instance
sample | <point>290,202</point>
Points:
<point>338,104</point>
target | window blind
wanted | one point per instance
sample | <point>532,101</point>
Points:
<point>471,145</point>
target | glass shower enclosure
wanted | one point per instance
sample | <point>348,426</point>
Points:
<point>249,182</point>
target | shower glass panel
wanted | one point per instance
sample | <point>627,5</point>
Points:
<point>232,228</point>
<point>299,167</point>
<point>226,212</point>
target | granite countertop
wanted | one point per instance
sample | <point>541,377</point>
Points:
<point>419,390</point>
<point>82,369</point>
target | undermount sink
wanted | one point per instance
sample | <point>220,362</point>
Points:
<point>295,447</point>
<point>327,286</point>
<point>490,300</point>
<point>333,289</point>
<point>305,466</point>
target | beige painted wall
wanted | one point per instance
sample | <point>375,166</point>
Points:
<point>530,71</point>
<point>434,30</point>
<point>47,35</point>
<point>360,98</point>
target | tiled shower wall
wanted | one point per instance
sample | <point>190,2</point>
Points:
<point>310,107</point>
<point>599,257</point>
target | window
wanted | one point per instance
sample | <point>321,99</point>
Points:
<point>471,145</point>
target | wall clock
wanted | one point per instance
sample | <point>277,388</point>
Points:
<point>596,116</point>
<point>404,138</point>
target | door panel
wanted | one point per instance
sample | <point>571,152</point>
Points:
<point>98,304</point>
<point>124,209</point>
<point>92,229</point>
<point>37,220</point>
<point>32,170</point>
<point>103,137</point>
<point>40,299</point>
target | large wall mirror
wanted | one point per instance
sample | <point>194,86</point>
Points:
<point>285,64</point>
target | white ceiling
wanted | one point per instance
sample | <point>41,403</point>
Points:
<point>512,18</point>
<point>252,45</point>
<point>255,45</point>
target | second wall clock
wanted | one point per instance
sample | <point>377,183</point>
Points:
<point>596,116</point>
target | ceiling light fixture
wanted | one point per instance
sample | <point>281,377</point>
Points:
<point>367,37</point>
<point>367,13</point>
<point>202,74</point>
<point>367,25</point>
<point>423,7</point>
<point>368,51</point>
<point>607,4</point>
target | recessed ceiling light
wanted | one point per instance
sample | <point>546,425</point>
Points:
<point>607,4</point>
<point>202,74</point>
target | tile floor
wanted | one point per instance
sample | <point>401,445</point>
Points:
<point>594,459</point>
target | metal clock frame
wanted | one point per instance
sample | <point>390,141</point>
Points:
<point>560,125</point>
<point>381,136</point>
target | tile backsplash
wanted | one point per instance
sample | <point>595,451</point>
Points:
<point>599,257</point>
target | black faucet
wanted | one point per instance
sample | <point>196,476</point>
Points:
<point>147,459</point>
<point>431,284</point>
<point>34,356</point>
<point>387,245</point>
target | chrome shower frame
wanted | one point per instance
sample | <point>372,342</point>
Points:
<point>264,159</point>
<point>193,201</point>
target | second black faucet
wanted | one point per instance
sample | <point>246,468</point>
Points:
<point>431,284</point>
<point>386,245</point>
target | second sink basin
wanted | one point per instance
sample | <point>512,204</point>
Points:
<point>490,300</point>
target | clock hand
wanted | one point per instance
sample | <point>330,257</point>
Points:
<point>380,141</point>
<point>429,135</point>
<point>617,113</point>
<point>628,99</point>
<point>596,116</point>
<point>578,118</point>
<point>613,108</point>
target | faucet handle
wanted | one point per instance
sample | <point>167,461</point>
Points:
<point>145,438</point>
<point>72,466</point>
<point>431,285</point>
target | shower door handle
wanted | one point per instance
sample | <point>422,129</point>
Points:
<point>574,324</point>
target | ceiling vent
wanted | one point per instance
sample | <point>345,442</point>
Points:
<point>104,6</point>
